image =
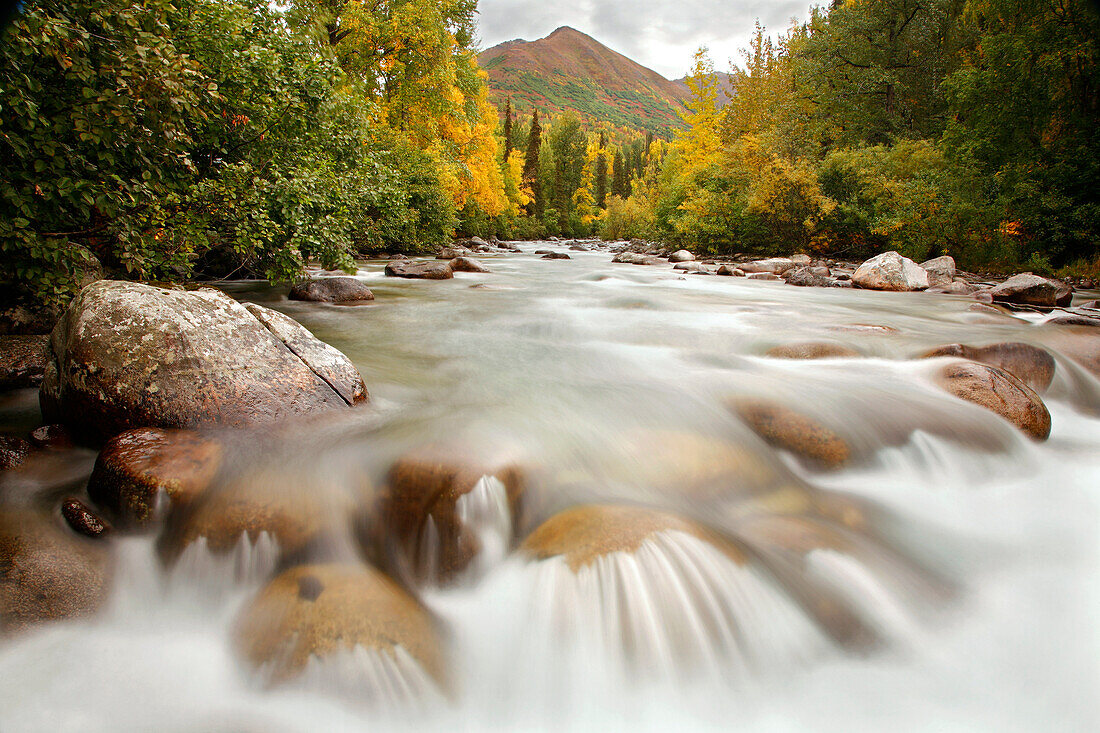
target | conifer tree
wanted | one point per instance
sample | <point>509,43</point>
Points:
<point>618,176</point>
<point>507,128</point>
<point>531,166</point>
<point>601,173</point>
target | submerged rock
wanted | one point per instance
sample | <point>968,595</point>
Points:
<point>583,534</point>
<point>465,264</point>
<point>315,613</point>
<point>791,430</point>
<point>22,361</point>
<point>420,270</point>
<point>812,350</point>
<point>332,290</point>
<point>46,572</point>
<point>136,467</point>
<point>422,525</point>
<point>126,355</point>
<point>13,451</point>
<point>1029,289</point>
<point>556,256</point>
<point>999,392</point>
<point>1032,365</point>
<point>890,271</point>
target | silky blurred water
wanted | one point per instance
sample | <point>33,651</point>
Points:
<point>610,381</point>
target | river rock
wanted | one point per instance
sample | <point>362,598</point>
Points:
<point>22,361</point>
<point>586,533</point>
<point>1032,365</point>
<point>681,255</point>
<point>311,612</point>
<point>890,271</point>
<point>332,290</point>
<point>47,572</point>
<point>300,509</point>
<point>556,256</point>
<point>772,265</point>
<point>1074,319</point>
<point>998,391</point>
<point>420,270</point>
<point>420,528</point>
<point>82,519</point>
<point>793,431</point>
<point>135,467</point>
<point>801,260</point>
<point>465,264</point>
<point>813,277</point>
<point>13,451</point>
<point>941,270</point>
<point>689,267</point>
<point>730,271</point>
<point>1029,289</point>
<point>954,288</point>
<point>762,276</point>
<point>127,355</point>
<point>51,436</point>
<point>812,350</point>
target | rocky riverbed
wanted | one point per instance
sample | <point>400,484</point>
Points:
<point>556,484</point>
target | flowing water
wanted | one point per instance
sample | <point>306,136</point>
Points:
<point>945,578</point>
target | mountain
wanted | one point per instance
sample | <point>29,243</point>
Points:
<point>569,70</point>
<point>725,87</point>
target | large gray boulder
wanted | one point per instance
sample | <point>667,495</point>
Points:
<point>941,270</point>
<point>681,255</point>
<point>1029,289</point>
<point>421,270</point>
<point>126,355</point>
<point>890,271</point>
<point>773,265</point>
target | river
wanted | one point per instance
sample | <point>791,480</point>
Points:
<point>972,563</point>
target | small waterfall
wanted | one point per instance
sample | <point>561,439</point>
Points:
<point>484,512</point>
<point>249,563</point>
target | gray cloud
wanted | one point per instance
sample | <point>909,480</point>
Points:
<point>660,34</point>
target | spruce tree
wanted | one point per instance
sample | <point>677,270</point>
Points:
<point>507,128</point>
<point>601,173</point>
<point>531,166</point>
<point>618,176</point>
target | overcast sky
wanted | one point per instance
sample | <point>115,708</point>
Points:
<point>660,34</point>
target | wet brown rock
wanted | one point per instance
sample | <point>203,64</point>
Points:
<point>420,530</point>
<point>332,290</point>
<point>556,256</point>
<point>136,466</point>
<point>51,436</point>
<point>791,430</point>
<point>1079,343</point>
<point>1031,364</point>
<point>47,572</point>
<point>319,610</point>
<point>808,277</point>
<point>82,520</point>
<point>585,533</point>
<point>127,355</point>
<point>13,451</point>
<point>420,270</point>
<point>1029,289</point>
<point>998,391</point>
<point>22,361</point>
<point>730,271</point>
<point>465,264</point>
<point>812,350</point>
<point>762,276</point>
<point>1075,319</point>
<point>300,511</point>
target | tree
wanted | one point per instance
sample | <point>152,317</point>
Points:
<point>568,145</point>
<point>507,128</point>
<point>531,167</point>
<point>601,173</point>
